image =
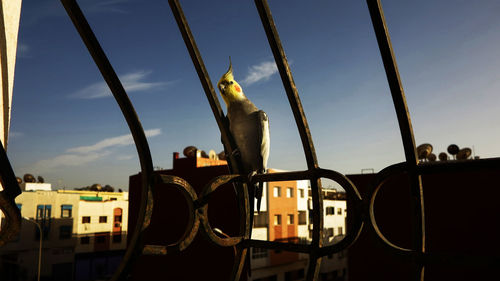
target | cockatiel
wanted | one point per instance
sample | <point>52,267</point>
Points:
<point>250,129</point>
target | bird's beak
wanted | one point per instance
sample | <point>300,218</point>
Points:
<point>222,88</point>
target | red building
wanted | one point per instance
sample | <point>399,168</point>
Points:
<point>201,260</point>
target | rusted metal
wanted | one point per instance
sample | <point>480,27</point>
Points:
<point>398,97</point>
<point>362,210</point>
<point>227,140</point>
<point>10,191</point>
<point>305,133</point>
<point>116,87</point>
<point>194,217</point>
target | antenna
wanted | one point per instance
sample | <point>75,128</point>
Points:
<point>222,155</point>
<point>431,157</point>
<point>204,154</point>
<point>29,178</point>
<point>464,153</point>
<point>424,150</point>
<point>443,156</point>
<point>212,155</point>
<point>190,151</point>
<point>453,150</point>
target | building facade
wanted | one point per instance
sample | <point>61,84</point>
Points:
<point>73,223</point>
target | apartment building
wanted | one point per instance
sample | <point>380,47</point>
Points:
<point>288,219</point>
<point>76,225</point>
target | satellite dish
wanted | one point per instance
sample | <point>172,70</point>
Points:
<point>431,157</point>
<point>464,153</point>
<point>212,155</point>
<point>204,154</point>
<point>96,187</point>
<point>453,149</point>
<point>222,155</point>
<point>443,156</point>
<point>424,150</point>
<point>40,179</point>
<point>29,178</point>
<point>190,151</point>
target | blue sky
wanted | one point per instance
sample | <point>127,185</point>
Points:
<point>67,128</point>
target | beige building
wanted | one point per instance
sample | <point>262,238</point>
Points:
<point>72,222</point>
<point>291,200</point>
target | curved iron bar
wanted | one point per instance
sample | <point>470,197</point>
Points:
<point>7,204</point>
<point>352,193</point>
<point>305,133</point>
<point>227,140</point>
<point>425,258</point>
<point>194,217</point>
<point>146,162</point>
<point>398,97</point>
<point>203,203</point>
<point>380,179</point>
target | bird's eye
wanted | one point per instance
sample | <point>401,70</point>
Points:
<point>231,83</point>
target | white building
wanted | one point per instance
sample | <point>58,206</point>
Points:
<point>73,223</point>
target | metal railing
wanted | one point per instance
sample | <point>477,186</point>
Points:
<point>362,211</point>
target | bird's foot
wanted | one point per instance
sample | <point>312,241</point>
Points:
<point>250,176</point>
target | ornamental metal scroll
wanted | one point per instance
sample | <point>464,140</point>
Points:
<point>362,212</point>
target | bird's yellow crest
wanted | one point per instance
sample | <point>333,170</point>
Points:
<point>230,89</point>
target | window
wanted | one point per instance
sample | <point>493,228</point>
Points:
<point>301,192</point>
<point>258,253</point>
<point>85,219</point>
<point>339,211</point>
<point>85,240</point>
<point>39,212</point>
<point>329,232</point>
<point>65,231</point>
<point>302,217</point>
<point>277,191</point>
<point>340,230</point>
<point>103,219</point>
<point>260,220</point>
<point>66,211</point>
<point>117,238</point>
<point>100,239</point>
<point>43,213</point>
<point>290,219</point>
<point>330,211</point>
<point>289,192</point>
<point>277,219</point>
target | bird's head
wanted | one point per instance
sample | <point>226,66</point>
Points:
<point>230,89</point>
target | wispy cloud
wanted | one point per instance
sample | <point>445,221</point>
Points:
<point>260,72</point>
<point>82,155</point>
<point>111,142</point>
<point>125,157</point>
<point>132,82</point>
<point>65,160</point>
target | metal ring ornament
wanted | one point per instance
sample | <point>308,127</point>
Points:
<point>380,179</point>
<point>203,210</point>
<point>193,224</point>
<point>358,223</point>
<point>198,214</point>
